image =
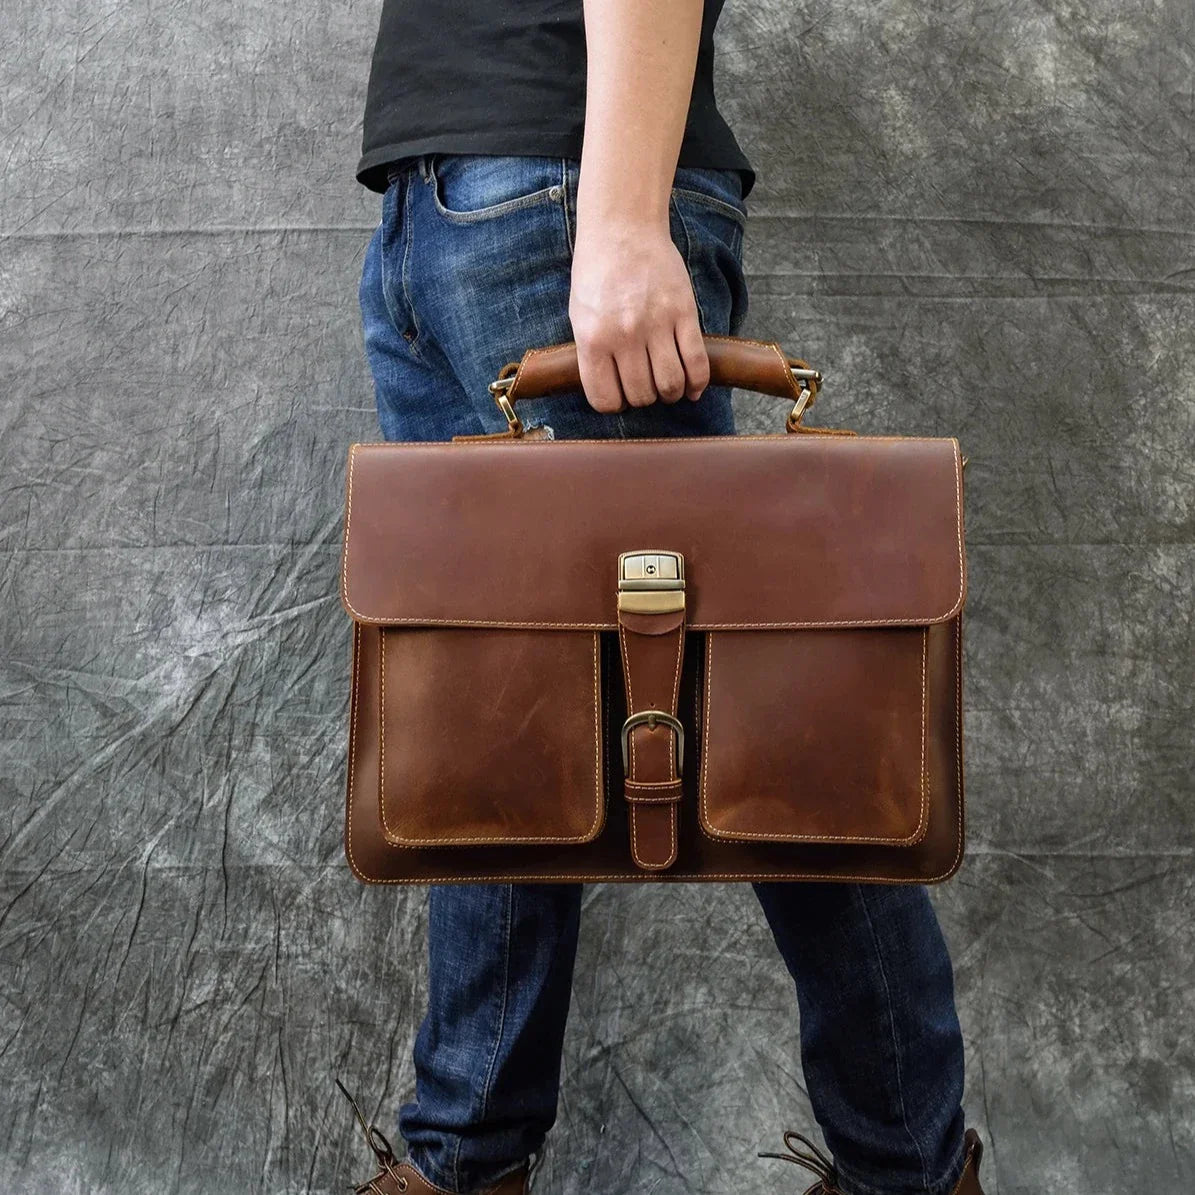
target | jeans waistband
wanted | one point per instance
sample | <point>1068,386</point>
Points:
<point>420,162</point>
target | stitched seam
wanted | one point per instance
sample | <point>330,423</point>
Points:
<point>626,676</point>
<point>356,700</point>
<point>348,528</point>
<point>853,839</point>
<point>499,625</point>
<point>731,438</point>
<point>671,813</point>
<point>599,814</point>
<point>745,340</point>
<point>606,877</point>
<point>604,733</point>
<point>960,802</point>
<point>679,877</point>
<point>720,205</point>
<point>908,620</point>
<point>673,710</point>
<point>794,389</point>
<point>688,255</point>
<point>529,356</point>
<point>900,1090</point>
<point>406,258</point>
<point>923,817</point>
<point>680,655</point>
<point>631,817</point>
<point>531,199</point>
<point>395,839</point>
<point>489,1074</point>
<point>632,812</point>
<point>705,734</point>
<point>569,238</point>
<point>382,728</point>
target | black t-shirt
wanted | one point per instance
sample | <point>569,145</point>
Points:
<point>505,77</point>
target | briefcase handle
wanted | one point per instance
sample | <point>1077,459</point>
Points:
<point>758,365</point>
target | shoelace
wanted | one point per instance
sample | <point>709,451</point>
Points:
<point>384,1152</point>
<point>376,1140</point>
<point>811,1158</point>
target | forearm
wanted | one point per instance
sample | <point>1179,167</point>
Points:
<point>632,306</point>
<point>642,55</point>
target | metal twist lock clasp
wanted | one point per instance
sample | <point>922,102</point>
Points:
<point>651,582</point>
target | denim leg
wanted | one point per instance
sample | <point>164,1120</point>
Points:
<point>487,1055</point>
<point>471,265</point>
<point>881,1046</point>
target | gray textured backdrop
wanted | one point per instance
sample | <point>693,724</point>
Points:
<point>978,218</point>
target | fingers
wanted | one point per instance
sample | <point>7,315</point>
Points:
<point>694,359</point>
<point>599,378</point>
<point>667,369</point>
<point>635,373</point>
<point>672,365</point>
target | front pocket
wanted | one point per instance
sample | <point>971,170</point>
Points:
<point>490,737</point>
<point>717,189</point>
<point>816,736</point>
<point>472,187</point>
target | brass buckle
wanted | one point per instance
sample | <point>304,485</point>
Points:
<point>651,582</point>
<point>651,718</point>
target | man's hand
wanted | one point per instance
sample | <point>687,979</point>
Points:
<point>634,317</point>
<point>632,307</point>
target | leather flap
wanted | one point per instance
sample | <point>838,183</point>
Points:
<point>777,532</point>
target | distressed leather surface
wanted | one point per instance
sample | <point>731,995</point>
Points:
<point>817,672</point>
<point>501,729</point>
<point>776,531</point>
<point>699,857</point>
<point>854,729</point>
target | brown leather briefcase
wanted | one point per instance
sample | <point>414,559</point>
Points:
<point>716,658</point>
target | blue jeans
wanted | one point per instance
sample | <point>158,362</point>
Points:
<point>470,266</point>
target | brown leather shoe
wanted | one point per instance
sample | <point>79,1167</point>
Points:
<point>401,1178</point>
<point>808,1155</point>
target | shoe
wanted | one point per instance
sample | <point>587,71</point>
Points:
<point>812,1158</point>
<point>401,1178</point>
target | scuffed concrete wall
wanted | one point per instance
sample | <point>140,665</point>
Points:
<point>979,220</point>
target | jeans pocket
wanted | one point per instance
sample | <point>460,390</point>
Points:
<point>474,187</point>
<point>718,189</point>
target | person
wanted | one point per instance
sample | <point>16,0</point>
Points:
<point>558,170</point>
